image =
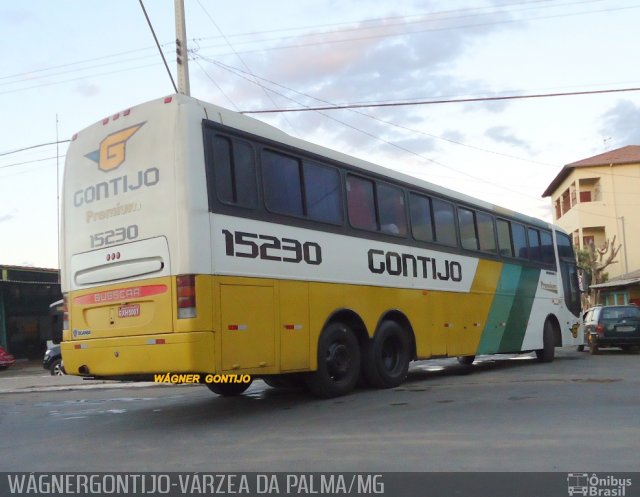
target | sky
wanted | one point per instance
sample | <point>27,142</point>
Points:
<point>70,63</point>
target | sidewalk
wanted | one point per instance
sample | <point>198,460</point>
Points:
<point>29,376</point>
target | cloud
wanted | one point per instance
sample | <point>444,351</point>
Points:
<point>15,17</point>
<point>622,124</point>
<point>87,89</point>
<point>396,59</point>
<point>7,217</point>
<point>393,59</point>
<point>503,134</point>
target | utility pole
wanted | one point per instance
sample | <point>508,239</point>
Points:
<point>181,49</point>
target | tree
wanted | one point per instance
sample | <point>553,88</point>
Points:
<point>595,260</point>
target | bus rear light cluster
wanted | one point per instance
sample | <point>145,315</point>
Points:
<point>65,312</point>
<point>186,287</point>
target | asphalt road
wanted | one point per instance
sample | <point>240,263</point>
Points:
<point>579,413</point>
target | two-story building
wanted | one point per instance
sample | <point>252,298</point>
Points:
<point>598,198</point>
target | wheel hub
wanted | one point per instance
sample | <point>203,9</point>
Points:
<point>338,360</point>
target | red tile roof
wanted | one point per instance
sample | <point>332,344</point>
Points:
<point>625,155</point>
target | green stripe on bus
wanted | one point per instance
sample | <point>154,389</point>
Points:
<point>500,308</point>
<point>520,311</point>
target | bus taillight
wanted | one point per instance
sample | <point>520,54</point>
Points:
<point>65,312</point>
<point>186,286</point>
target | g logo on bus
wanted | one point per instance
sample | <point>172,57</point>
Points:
<point>112,151</point>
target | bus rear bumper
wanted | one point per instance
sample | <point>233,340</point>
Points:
<point>140,357</point>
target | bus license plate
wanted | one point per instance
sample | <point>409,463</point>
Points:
<point>129,311</point>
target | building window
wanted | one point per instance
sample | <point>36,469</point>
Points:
<point>566,202</point>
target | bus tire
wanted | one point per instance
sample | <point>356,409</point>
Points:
<point>228,389</point>
<point>386,356</point>
<point>466,360</point>
<point>338,363</point>
<point>548,350</point>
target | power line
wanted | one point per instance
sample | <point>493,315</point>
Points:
<point>384,24</point>
<point>375,137</point>
<point>34,146</point>
<point>243,62</point>
<point>443,101</point>
<point>30,161</point>
<point>386,122</point>
<point>158,45</point>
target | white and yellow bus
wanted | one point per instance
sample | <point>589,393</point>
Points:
<point>199,240</point>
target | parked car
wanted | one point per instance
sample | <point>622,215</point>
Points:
<point>6,359</point>
<point>53,361</point>
<point>612,326</point>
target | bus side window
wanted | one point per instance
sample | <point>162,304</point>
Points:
<point>504,238</point>
<point>546,247</point>
<point>323,193</point>
<point>486,232</point>
<point>360,204</point>
<point>281,183</point>
<point>393,218</point>
<point>445,224</point>
<point>534,245</point>
<point>519,235</point>
<point>421,218</point>
<point>565,248</point>
<point>234,172</point>
<point>468,233</point>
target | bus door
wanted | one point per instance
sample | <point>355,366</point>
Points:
<point>247,314</point>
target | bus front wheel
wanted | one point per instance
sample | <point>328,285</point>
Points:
<point>386,357</point>
<point>548,350</point>
<point>338,362</point>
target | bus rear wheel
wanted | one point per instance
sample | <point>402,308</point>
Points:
<point>548,350</point>
<point>338,362</point>
<point>228,389</point>
<point>386,357</point>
